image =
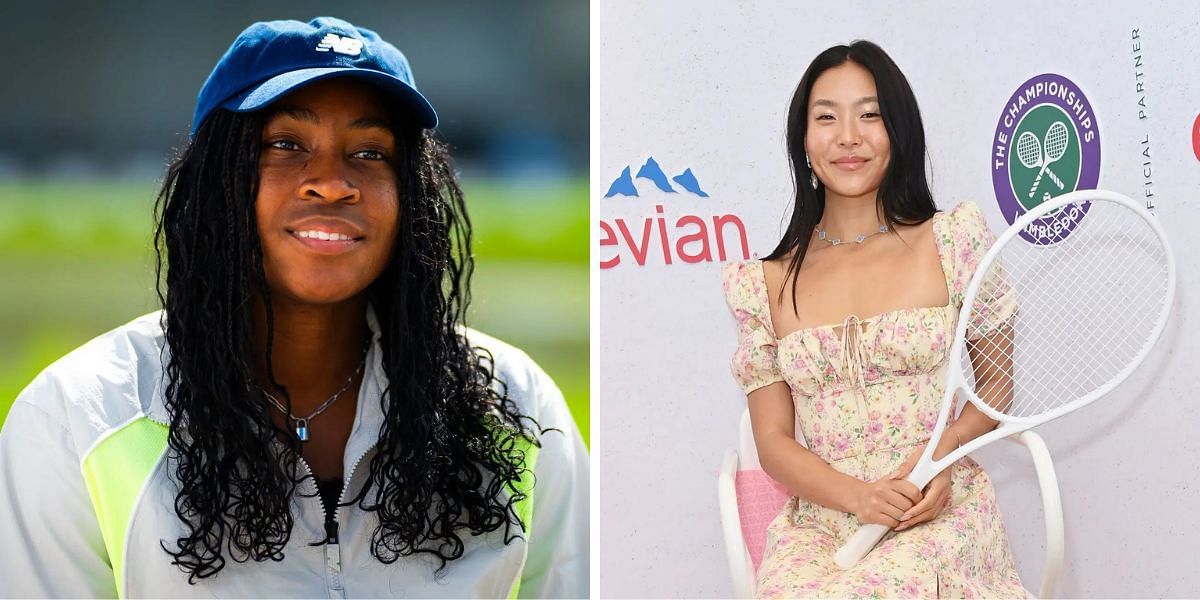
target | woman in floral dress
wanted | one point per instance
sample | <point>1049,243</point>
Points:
<point>865,238</point>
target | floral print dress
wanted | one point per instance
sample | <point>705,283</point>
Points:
<point>865,400</point>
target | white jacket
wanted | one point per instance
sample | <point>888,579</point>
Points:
<point>51,534</point>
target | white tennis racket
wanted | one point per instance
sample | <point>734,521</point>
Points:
<point>1049,328</point>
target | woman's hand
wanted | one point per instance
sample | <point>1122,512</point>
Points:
<point>936,494</point>
<point>885,501</point>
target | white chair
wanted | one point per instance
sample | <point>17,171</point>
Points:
<point>750,499</point>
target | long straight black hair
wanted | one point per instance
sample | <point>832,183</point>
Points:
<point>904,193</point>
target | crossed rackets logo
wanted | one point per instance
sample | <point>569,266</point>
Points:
<point>1034,154</point>
<point>1047,152</point>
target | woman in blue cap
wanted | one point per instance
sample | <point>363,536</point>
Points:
<point>307,416</point>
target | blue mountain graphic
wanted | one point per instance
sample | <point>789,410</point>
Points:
<point>687,180</point>
<point>622,185</point>
<point>654,173</point>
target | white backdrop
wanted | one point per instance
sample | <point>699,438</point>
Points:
<point>704,85</point>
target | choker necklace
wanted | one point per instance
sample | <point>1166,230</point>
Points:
<point>860,239</point>
<point>301,423</point>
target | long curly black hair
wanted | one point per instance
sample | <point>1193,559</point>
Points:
<point>449,452</point>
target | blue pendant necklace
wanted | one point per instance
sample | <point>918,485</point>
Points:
<point>301,423</point>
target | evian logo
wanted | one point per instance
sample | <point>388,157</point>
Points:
<point>666,236</point>
<point>342,45</point>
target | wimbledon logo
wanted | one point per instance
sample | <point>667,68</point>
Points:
<point>1046,145</point>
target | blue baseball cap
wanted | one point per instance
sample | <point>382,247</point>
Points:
<point>272,58</point>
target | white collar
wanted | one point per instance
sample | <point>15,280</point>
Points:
<point>369,413</point>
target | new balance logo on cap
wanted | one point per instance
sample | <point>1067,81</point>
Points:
<point>342,45</point>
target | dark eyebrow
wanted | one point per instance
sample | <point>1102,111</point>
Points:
<point>832,104</point>
<point>303,114</point>
<point>371,123</point>
<point>295,112</point>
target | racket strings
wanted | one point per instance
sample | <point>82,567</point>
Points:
<point>1094,373</point>
<point>1051,390</point>
<point>1056,141</point>
<point>1054,323</point>
<point>1029,151</point>
<point>1110,339</point>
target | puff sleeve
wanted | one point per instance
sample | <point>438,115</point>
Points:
<point>996,302</point>
<point>754,363</point>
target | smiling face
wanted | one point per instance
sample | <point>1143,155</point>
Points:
<point>327,203</point>
<point>846,138</point>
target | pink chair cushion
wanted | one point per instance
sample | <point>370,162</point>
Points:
<point>759,500</point>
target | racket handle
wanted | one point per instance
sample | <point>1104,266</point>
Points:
<point>1036,181</point>
<point>859,545</point>
<point>1055,179</point>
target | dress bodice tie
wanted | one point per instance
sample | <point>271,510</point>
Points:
<point>852,352</point>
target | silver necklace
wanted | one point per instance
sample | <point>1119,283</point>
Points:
<point>860,239</point>
<point>301,424</point>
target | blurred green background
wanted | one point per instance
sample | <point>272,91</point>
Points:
<point>76,261</point>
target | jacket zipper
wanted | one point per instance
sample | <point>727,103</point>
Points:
<point>333,549</point>
<point>333,554</point>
